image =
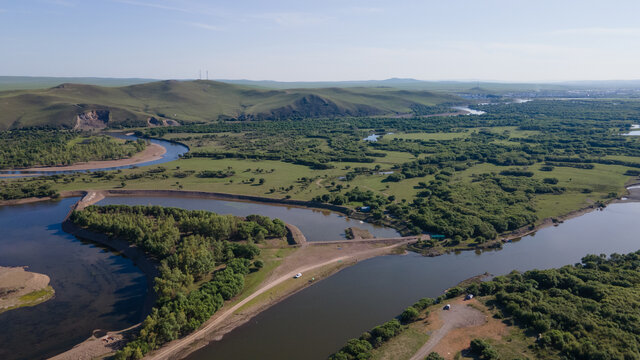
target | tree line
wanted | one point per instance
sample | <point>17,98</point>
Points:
<point>26,148</point>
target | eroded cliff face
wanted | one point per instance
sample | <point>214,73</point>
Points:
<point>153,122</point>
<point>91,120</point>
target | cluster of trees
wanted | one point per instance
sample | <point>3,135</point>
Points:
<point>584,311</point>
<point>20,190</point>
<point>480,210</point>
<point>366,197</point>
<point>483,350</point>
<point>190,246</point>
<point>361,347</point>
<point>216,173</point>
<point>26,148</point>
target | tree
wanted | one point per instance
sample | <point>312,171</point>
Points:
<point>409,314</point>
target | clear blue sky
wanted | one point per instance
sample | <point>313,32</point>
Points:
<point>506,40</point>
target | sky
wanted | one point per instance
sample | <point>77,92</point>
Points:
<point>323,40</point>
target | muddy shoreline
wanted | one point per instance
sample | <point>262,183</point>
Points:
<point>17,282</point>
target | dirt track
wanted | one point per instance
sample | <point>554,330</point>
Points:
<point>284,273</point>
<point>461,315</point>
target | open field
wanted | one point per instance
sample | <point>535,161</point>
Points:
<point>602,180</point>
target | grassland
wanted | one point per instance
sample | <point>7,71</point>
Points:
<point>602,180</point>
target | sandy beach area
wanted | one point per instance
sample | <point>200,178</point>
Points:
<point>19,287</point>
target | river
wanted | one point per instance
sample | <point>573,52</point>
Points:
<point>635,131</point>
<point>98,289</point>
<point>95,288</point>
<point>469,111</point>
<point>318,320</point>
<point>174,151</point>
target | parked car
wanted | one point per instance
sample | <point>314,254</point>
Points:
<point>297,275</point>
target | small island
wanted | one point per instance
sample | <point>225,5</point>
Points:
<point>19,288</point>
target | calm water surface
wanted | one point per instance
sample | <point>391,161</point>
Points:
<point>94,288</point>
<point>635,131</point>
<point>316,225</point>
<point>318,320</point>
<point>469,110</point>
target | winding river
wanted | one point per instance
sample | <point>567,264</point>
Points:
<point>96,288</point>
<point>173,152</point>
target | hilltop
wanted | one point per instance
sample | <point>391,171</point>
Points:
<point>41,82</point>
<point>174,102</point>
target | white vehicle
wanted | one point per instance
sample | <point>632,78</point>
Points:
<point>297,275</point>
<point>447,307</point>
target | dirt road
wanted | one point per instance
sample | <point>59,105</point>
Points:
<point>172,348</point>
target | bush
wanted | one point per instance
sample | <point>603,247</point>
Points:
<point>434,356</point>
<point>409,315</point>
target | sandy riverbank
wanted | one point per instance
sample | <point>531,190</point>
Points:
<point>19,288</point>
<point>151,153</point>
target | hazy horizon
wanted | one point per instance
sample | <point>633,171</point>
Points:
<point>490,81</point>
<point>293,41</point>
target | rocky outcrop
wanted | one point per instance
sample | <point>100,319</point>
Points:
<point>152,121</point>
<point>92,120</point>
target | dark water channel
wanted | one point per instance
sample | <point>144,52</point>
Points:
<point>95,288</point>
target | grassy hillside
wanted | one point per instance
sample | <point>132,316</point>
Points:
<point>41,82</point>
<point>201,101</point>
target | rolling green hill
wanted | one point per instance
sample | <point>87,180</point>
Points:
<point>171,102</point>
<point>41,82</point>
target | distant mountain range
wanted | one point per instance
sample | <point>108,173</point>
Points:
<point>26,82</point>
<point>201,101</point>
